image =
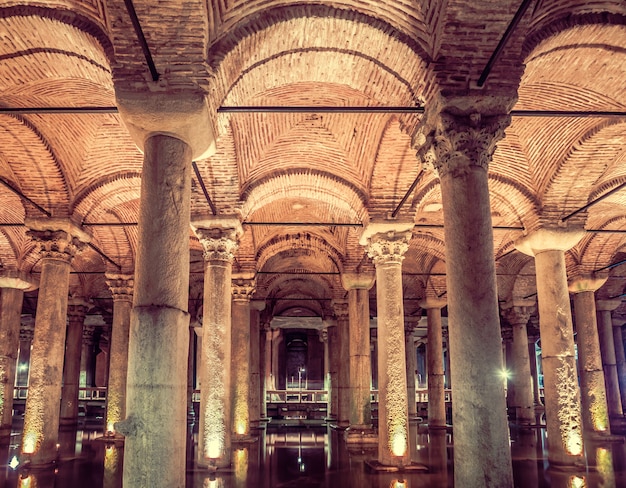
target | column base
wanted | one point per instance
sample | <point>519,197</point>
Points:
<point>243,439</point>
<point>361,435</point>
<point>377,467</point>
<point>112,438</point>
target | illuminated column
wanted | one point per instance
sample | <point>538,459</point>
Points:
<point>595,409</point>
<point>156,406</point>
<point>88,357</point>
<point>27,331</point>
<point>76,311</point>
<point>461,151</point>
<point>121,286</point>
<point>219,240</point>
<point>411,363</point>
<point>434,360</point>
<point>386,244</point>
<point>13,285</point>
<point>620,358</point>
<point>517,314</point>
<point>561,390</point>
<point>58,241</point>
<point>341,310</point>
<point>257,408</point>
<point>609,354</point>
<point>532,329</point>
<point>333,372</point>
<point>243,287</point>
<point>360,369</point>
<point>267,335</point>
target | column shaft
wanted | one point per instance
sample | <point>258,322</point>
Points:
<point>10,311</point>
<point>41,419</point>
<point>240,366</point>
<point>593,393</point>
<point>478,407</point>
<point>434,358</point>
<point>360,368</point>
<point>333,374</point>
<point>411,367</point>
<point>620,360</point>
<point>71,368</point>
<point>267,369</point>
<point>609,362</point>
<point>393,422</point>
<point>255,367</point>
<point>343,366</point>
<point>121,289</point>
<point>561,390</point>
<point>521,376</point>
<point>156,407</point>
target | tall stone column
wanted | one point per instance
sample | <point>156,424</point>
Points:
<point>610,351</point>
<point>242,289</point>
<point>595,409</point>
<point>27,332</point>
<point>219,239</point>
<point>620,359</point>
<point>267,367</point>
<point>58,242</point>
<point>76,311</point>
<point>341,310</point>
<point>532,329</point>
<point>333,373</point>
<point>358,286</point>
<point>517,313</point>
<point>386,244</point>
<point>434,360</point>
<point>156,407</point>
<point>13,284</point>
<point>561,390</point>
<point>88,356</point>
<point>121,286</point>
<point>411,364</point>
<point>256,388</point>
<point>463,147</point>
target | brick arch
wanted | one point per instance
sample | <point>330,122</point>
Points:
<point>322,255</point>
<point>571,182</point>
<point>85,16</point>
<point>515,276</point>
<point>552,18</point>
<point>597,250</point>
<point>34,165</point>
<point>257,40</point>
<point>348,203</point>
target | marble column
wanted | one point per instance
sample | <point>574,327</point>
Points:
<point>13,284</point>
<point>609,354</point>
<point>620,359</point>
<point>27,332</point>
<point>386,243</point>
<point>340,309</point>
<point>333,372</point>
<point>243,287</point>
<point>561,390</point>
<point>594,404</point>
<point>517,313</point>
<point>256,388</point>
<point>532,329</point>
<point>434,360</point>
<point>59,241</point>
<point>461,151</point>
<point>156,406</point>
<point>219,238</point>
<point>411,363</point>
<point>76,311</point>
<point>88,357</point>
<point>267,336</point>
<point>121,286</point>
<point>358,286</point>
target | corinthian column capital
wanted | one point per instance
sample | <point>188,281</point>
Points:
<point>458,142</point>
<point>386,242</point>
<point>57,238</point>
<point>219,238</point>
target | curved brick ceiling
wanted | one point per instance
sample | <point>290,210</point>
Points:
<point>306,167</point>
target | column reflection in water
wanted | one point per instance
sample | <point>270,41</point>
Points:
<point>438,452</point>
<point>213,482</point>
<point>524,453</point>
<point>113,457</point>
<point>37,479</point>
<point>240,467</point>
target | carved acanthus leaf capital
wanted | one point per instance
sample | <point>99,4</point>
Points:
<point>219,244</point>
<point>340,309</point>
<point>121,286</point>
<point>243,289</point>
<point>56,244</point>
<point>388,248</point>
<point>461,141</point>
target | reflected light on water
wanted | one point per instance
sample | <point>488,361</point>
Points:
<point>399,484</point>
<point>577,482</point>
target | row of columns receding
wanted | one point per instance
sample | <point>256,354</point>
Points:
<point>153,418</point>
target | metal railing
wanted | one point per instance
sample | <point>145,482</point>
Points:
<point>85,394</point>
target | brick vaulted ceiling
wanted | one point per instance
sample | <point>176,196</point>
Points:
<point>315,168</point>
